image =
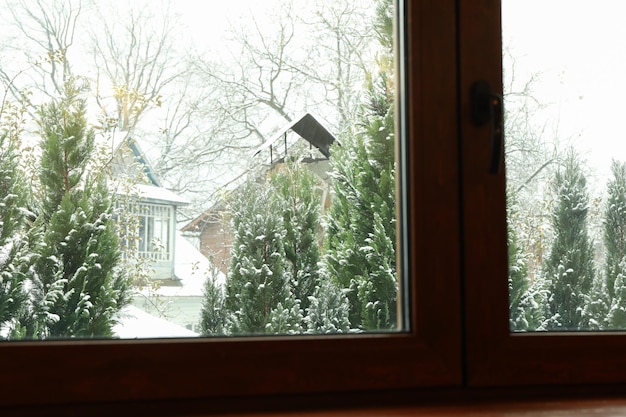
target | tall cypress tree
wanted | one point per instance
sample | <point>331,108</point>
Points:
<point>361,231</point>
<point>518,272</point>
<point>256,283</point>
<point>569,268</point>
<point>527,298</point>
<point>213,316</point>
<point>360,236</point>
<point>615,244</point>
<point>300,206</point>
<point>13,242</point>
<point>275,260</point>
<point>77,289</point>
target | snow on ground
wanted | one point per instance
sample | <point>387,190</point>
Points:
<point>180,301</point>
<point>192,269</point>
<point>135,323</point>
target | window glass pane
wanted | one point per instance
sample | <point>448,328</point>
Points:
<point>565,164</point>
<point>181,168</point>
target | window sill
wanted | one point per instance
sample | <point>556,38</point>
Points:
<point>570,408</point>
<point>576,401</point>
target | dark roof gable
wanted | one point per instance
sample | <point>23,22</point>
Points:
<point>310,129</point>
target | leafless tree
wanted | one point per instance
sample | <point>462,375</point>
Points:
<point>133,53</point>
<point>190,150</point>
<point>343,49</point>
<point>144,87</point>
<point>258,90</point>
<point>532,153</point>
<point>201,115</point>
<point>40,47</point>
<point>287,62</point>
<point>528,153</point>
<point>307,59</point>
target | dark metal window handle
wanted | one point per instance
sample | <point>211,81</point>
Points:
<point>486,107</point>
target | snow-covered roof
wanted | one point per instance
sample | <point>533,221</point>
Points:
<point>123,138</point>
<point>151,193</point>
<point>135,323</point>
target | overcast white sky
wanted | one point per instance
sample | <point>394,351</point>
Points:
<point>578,49</point>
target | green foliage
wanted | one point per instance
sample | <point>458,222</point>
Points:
<point>67,148</point>
<point>77,289</point>
<point>530,311</point>
<point>285,319</point>
<point>616,317</point>
<point>384,24</point>
<point>595,313</point>
<point>13,196</point>
<point>256,281</point>
<point>518,281</point>
<point>298,197</point>
<point>361,223</point>
<point>569,268</point>
<point>526,300</point>
<point>615,225</point>
<point>213,316</point>
<point>13,244</point>
<point>275,260</point>
<point>328,310</point>
<point>378,293</point>
<point>615,243</point>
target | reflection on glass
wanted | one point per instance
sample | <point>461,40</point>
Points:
<point>565,164</point>
<point>173,169</point>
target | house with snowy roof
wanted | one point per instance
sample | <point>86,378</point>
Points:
<point>305,139</point>
<point>178,271</point>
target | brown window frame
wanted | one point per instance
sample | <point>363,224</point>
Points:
<point>429,354</point>
<point>494,355</point>
<point>459,344</point>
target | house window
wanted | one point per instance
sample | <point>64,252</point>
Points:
<point>156,223</point>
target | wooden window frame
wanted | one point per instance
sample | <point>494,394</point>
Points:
<point>429,354</point>
<point>459,345</point>
<point>494,355</point>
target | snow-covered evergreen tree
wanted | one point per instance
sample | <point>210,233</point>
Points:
<point>616,317</point>
<point>527,298</point>
<point>285,319</point>
<point>361,223</point>
<point>615,244</point>
<point>14,258</point>
<point>595,313</point>
<point>213,316</point>
<point>569,268</point>
<point>297,194</point>
<point>256,283</point>
<point>275,258</point>
<point>76,289</point>
<point>360,236</point>
<point>328,310</point>
<point>519,283</point>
